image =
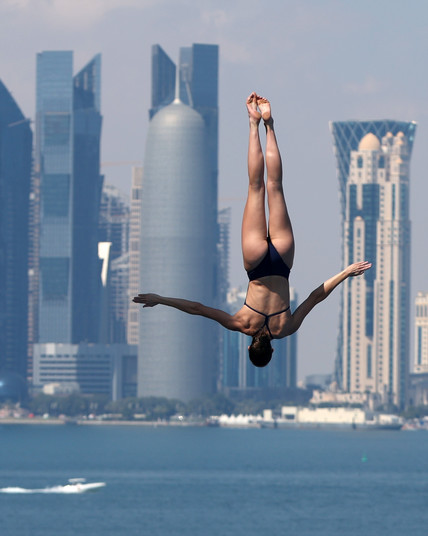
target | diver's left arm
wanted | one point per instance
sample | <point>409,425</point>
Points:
<point>190,307</point>
<point>321,293</point>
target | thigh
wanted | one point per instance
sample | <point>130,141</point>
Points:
<point>254,229</point>
<point>280,228</point>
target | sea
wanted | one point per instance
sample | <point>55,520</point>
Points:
<point>202,481</point>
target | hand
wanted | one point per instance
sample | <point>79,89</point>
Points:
<point>149,300</point>
<point>358,268</point>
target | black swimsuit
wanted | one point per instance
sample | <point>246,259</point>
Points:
<point>271,264</point>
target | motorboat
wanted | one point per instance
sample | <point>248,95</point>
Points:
<point>75,485</point>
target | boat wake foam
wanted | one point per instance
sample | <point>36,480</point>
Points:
<point>75,486</point>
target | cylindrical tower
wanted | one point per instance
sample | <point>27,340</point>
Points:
<point>177,256</point>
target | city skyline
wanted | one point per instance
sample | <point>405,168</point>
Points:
<point>315,66</point>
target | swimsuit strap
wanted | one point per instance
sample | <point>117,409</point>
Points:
<point>279,312</point>
<point>266,316</point>
<point>255,310</point>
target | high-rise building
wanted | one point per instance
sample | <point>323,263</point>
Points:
<point>178,257</point>
<point>420,363</point>
<point>223,249</point>
<point>114,220</point>
<point>134,254</point>
<point>118,298</point>
<point>67,159</point>
<point>373,160</point>
<point>15,178</point>
<point>198,88</point>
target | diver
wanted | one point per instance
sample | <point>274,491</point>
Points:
<point>268,253</point>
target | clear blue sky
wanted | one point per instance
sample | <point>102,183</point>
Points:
<point>316,60</point>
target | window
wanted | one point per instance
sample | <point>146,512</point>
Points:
<point>55,275</point>
<point>55,194</point>
<point>57,129</point>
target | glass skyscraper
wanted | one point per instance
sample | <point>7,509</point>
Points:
<point>373,160</point>
<point>178,353</point>
<point>15,179</point>
<point>67,160</point>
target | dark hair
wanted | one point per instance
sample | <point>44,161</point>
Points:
<point>260,350</point>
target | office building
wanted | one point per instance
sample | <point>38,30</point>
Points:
<point>114,217</point>
<point>373,160</point>
<point>105,369</point>
<point>15,180</point>
<point>178,242</point>
<point>134,254</point>
<point>420,363</point>
<point>223,251</point>
<point>114,221</point>
<point>118,298</point>
<point>67,161</point>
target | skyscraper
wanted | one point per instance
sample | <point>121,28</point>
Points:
<point>68,129</point>
<point>114,220</point>
<point>223,249</point>
<point>373,161</point>
<point>15,177</point>
<point>177,352</point>
<point>134,254</point>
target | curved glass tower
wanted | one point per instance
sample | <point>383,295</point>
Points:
<point>178,256</point>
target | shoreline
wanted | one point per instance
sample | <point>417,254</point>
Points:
<point>94,422</point>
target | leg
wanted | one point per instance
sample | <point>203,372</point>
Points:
<point>254,231</point>
<point>280,229</point>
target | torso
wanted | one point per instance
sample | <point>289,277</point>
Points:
<point>268,295</point>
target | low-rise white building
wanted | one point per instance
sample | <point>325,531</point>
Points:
<point>109,369</point>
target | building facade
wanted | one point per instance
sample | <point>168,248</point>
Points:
<point>114,219</point>
<point>420,362</point>
<point>373,349</point>
<point>15,180</point>
<point>134,255</point>
<point>178,242</point>
<point>107,369</point>
<point>67,161</point>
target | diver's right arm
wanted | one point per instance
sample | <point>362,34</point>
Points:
<point>190,307</point>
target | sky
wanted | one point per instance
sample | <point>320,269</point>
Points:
<point>315,60</point>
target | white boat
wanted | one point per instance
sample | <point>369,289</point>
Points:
<point>75,485</point>
<point>79,485</point>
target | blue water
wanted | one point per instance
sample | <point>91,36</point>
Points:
<point>214,482</point>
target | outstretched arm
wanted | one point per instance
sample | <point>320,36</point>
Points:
<point>324,290</point>
<point>191,308</point>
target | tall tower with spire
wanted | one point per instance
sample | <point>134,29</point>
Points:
<point>177,352</point>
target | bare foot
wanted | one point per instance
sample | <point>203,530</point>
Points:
<point>253,113</point>
<point>264,106</point>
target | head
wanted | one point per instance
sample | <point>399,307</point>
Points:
<point>260,350</point>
